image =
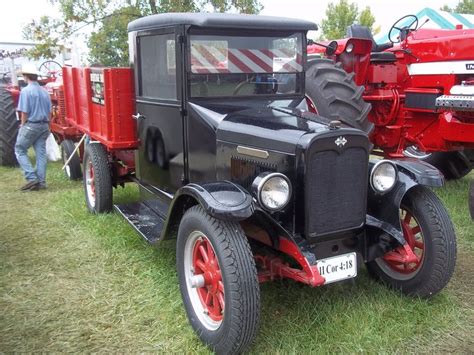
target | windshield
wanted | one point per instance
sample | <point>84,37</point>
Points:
<point>239,66</point>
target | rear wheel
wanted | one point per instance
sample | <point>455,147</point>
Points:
<point>8,129</point>
<point>218,281</point>
<point>73,168</point>
<point>335,95</point>
<point>453,165</point>
<point>430,235</point>
<point>97,179</point>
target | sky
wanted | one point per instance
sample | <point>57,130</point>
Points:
<point>386,12</point>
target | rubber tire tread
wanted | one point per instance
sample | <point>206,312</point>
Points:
<point>440,246</point>
<point>9,126</point>
<point>453,165</point>
<point>67,147</point>
<point>240,279</point>
<point>335,94</point>
<point>97,154</point>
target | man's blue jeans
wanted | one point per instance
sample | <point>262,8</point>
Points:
<point>35,135</point>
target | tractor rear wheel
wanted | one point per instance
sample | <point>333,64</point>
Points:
<point>73,168</point>
<point>218,281</point>
<point>97,179</point>
<point>430,235</point>
<point>335,95</point>
<point>453,165</point>
<point>8,129</point>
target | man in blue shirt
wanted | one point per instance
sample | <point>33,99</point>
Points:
<point>34,107</point>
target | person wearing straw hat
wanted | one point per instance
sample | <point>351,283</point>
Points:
<point>34,107</point>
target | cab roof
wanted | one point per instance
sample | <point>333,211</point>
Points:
<point>220,20</point>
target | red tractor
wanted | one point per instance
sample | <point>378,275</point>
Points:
<point>420,87</point>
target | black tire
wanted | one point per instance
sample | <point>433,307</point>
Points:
<point>471,199</point>
<point>453,165</point>
<point>8,129</point>
<point>73,169</point>
<point>233,331</point>
<point>335,95</point>
<point>97,179</point>
<point>438,252</point>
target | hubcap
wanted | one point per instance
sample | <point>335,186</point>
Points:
<point>398,263</point>
<point>204,280</point>
<point>90,184</point>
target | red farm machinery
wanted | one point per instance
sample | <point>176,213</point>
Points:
<point>420,86</point>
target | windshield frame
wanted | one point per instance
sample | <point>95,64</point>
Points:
<point>300,76</point>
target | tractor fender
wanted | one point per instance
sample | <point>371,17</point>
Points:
<point>222,200</point>
<point>384,209</point>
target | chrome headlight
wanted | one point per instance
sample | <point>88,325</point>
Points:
<point>273,190</point>
<point>383,176</point>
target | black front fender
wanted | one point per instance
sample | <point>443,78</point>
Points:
<point>384,209</point>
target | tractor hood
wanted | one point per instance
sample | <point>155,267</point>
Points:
<point>269,128</point>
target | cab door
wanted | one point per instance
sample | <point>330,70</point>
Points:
<point>160,158</point>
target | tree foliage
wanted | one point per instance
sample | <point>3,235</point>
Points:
<point>108,41</point>
<point>343,14</point>
<point>463,7</point>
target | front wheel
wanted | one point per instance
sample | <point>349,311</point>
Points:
<point>73,168</point>
<point>97,179</point>
<point>430,235</point>
<point>218,281</point>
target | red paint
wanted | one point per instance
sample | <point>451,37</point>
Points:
<point>205,263</point>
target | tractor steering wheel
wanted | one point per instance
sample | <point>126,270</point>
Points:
<point>402,31</point>
<point>50,69</point>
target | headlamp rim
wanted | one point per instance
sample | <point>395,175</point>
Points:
<point>263,179</point>
<point>372,172</point>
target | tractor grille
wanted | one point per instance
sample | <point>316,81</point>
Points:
<point>243,171</point>
<point>335,190</point>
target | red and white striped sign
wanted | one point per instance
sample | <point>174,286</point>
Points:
<point>209,59</point>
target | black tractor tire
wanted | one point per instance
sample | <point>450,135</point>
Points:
<point>228,323</point>
<point>471,199</point>
<point>8,129</point>
<point>335,95</point>
<point>434,241</point>
<point>97,179</point>
<point>73,169</point>
<point>453,165</point>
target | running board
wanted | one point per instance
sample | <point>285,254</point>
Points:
<point>147,218</point>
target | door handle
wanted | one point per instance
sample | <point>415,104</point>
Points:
<point>138,116</point>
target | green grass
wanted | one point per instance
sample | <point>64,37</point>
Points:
<point>71,281</point>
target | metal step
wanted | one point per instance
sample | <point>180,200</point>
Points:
<point>456,102</point>
<point>146,217</point>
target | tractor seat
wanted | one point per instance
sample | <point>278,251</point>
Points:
<point>378,55</point>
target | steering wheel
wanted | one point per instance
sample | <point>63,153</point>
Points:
<point>50,69</point>
<point>402,31</point>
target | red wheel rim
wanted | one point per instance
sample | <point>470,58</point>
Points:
<point>396,259</point>
<point>211,292</point>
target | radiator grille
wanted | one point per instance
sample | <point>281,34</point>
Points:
<point>243,171</point>
<point>336,190</point>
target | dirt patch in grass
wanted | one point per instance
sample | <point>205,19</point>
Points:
<point>71,281</point>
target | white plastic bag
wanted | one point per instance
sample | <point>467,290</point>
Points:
<point>52,149</point>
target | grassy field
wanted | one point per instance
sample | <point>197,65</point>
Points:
<point>71,281</point>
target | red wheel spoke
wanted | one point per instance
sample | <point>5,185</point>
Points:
<point>200,264</point>
<point>221,300</point>
<point>415,230</point>
<point>220,286</point>
<point>208,298</point>
<point>407,219</point>
<point>419,244</point>
<point>204,254</point>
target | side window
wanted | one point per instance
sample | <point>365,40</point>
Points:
<point>158,67</point>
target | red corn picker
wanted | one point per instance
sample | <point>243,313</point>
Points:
<point>420,87</point>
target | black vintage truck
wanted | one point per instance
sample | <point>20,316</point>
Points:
<point>253,185</point>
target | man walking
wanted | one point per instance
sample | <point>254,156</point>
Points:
<point>34,107</point>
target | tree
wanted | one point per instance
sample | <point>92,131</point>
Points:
<point>463,7</point>
<point>109,18</point>
<point>343,14</point>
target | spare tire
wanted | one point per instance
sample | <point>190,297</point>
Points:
<point>8,128</point>
<point>335,95</point>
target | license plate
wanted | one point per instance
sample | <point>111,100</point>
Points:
<point>338,268</point>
